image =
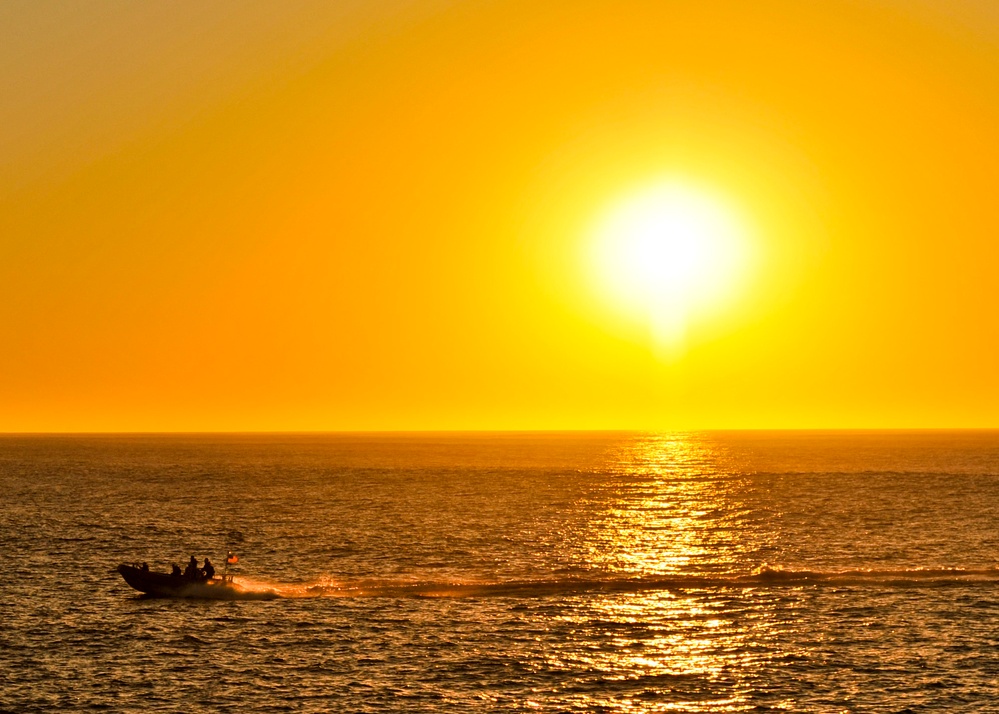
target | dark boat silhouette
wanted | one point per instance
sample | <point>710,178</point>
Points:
<point>179,586</point>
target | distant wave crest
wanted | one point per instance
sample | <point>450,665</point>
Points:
<point>767,573</point>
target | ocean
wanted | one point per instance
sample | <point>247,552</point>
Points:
<point>596,572</point>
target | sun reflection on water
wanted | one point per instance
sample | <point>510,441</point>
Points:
<point>672,504</point>
<point>716,647</point>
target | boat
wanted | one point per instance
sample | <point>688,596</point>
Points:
<point>219,587</point>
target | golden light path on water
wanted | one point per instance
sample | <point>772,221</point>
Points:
<point>656,640</point>
<point>675,511</point>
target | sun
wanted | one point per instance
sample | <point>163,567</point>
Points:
<point>667,254</point>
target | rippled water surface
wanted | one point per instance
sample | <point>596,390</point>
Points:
<point>695,572</point>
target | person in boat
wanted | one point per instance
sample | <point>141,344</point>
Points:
<point>192,571</point>
<point>145,567</point>
<point>175,570</point>
<point>208,570</point>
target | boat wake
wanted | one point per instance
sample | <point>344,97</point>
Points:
<point>766,576</point>
<point>239,589</point>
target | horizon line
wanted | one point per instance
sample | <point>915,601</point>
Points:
<point>372,432</point>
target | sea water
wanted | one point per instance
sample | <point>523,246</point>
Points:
<point>696,572</point>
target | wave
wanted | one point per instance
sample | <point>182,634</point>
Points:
<point>765,576</point>
<point>892,576</point>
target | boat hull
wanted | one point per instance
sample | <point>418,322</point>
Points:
<point>164,585</point>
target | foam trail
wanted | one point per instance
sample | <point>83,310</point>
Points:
<point>764,576</point>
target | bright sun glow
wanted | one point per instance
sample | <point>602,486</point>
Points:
<point>668,254</point>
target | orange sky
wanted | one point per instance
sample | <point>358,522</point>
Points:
<point>372,215</point>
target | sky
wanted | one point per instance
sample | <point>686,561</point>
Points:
<point>313,216</point>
